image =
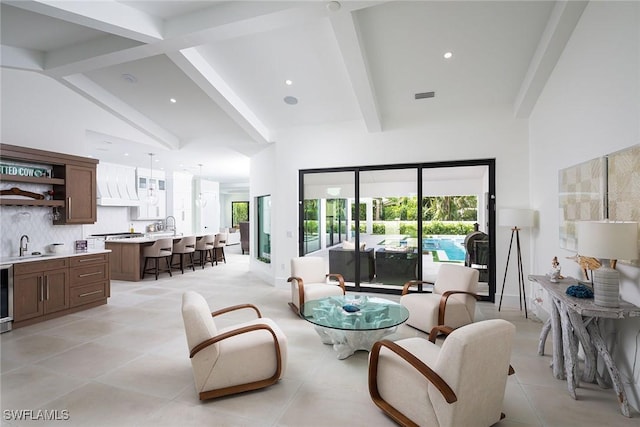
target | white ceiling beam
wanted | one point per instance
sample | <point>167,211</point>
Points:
<point>193,30</point>
<point>21,59</point>
<point>104,15</point>
<point>57,61</point>
<point>563,20</point>
<point>235,19</point>
<point>350,45</point>
<point>193,64</point>
<point>89,89</point>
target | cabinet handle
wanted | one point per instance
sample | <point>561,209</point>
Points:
<point>90,259</point>
<point>86,294</point>
<point>90,274</point>
<point>40,285</point>
<point>69,207</point>
<point>46,283</point>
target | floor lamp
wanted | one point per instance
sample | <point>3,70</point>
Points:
<point>516,219</point>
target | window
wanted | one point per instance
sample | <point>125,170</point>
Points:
<point>264,229</point>
<point>239,213</point>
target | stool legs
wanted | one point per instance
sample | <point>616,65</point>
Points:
<point>156,266</point>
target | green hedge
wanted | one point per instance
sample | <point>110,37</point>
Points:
<point>409,228</point>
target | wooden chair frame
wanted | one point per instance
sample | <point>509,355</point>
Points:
<point>300,282</point>
<point>210,394</point>
<point>443,300</point>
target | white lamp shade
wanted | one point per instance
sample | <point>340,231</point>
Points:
<point>610,240</point>
<point>521,218</point>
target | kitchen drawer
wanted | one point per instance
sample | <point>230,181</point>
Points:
<point>89,293</point>
<point>40,266</point>
<point>88,274</point>
<point>81,261</point>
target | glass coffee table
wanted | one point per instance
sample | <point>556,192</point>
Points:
<point>353,322</point>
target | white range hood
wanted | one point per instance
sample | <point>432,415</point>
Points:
<point>117,185</point>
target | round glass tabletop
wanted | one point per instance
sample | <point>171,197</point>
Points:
<point>354,313</point>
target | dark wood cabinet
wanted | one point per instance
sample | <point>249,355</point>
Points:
<point>90,279</point>
<point>72,180</point>
<point>54,287</point>
<point>79,194</point>
<point>40,288</point>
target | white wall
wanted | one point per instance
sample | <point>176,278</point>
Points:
<point>590,107</point>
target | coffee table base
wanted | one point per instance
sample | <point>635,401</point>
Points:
<point>345,343</point>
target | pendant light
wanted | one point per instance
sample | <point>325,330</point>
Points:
<point>201,202</point>
<point>152,194</point>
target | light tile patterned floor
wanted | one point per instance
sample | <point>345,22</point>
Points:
<point>126,364</point>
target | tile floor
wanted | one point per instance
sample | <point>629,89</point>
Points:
<point>126,364</point>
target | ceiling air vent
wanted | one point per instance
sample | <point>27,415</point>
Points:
<point>425,95</point>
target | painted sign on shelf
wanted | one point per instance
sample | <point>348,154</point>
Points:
<point>20,170</point>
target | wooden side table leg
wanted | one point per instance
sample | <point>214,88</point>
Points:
<point>601,346</point>
<point>556,332</point>
<point>579,328</point>
<point>543,336</point>
<point>570,347</point>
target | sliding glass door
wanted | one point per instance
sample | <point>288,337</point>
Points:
<point>381,226</point>
<point>391,224</point>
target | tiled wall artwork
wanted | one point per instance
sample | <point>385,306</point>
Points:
<point>582,198</point>
<point>624,187</point>
<point>605,187</point>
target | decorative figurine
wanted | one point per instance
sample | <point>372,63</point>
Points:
<point>554,273</point>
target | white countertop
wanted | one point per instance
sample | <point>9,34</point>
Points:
<point>150,238</point>
<point>47,256</point>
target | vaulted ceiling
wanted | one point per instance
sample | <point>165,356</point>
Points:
<point>241,72</point>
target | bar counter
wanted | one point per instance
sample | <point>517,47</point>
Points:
<point>126,255</point>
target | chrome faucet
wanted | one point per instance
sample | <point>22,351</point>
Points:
<point>23,247</point>
<point>166,224</point>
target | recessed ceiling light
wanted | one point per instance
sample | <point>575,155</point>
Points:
<point>291,100</point>
<point>126,154</point>
<point>173,100</point>
<point>448,55</point>
<point>288,82</point>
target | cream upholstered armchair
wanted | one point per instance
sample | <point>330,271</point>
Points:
<point>309,281</point>
<point>247,356</point>
<point>462,383</point>
<point>452,303</point>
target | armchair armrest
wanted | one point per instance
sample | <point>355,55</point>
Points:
<point>430,375</point>
<point>443,303</point>
<point>233,333</point>
<point>300,283</point>
<point>407,285</point>
<point>339,278</point>
<point>235,307</point>
<point>437,330</point>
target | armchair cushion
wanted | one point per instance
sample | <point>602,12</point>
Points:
<point>461,383</point>
<point>452,303</point>
<point>246,356</point>
<point>309,281</point>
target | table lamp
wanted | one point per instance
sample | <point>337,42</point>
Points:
<point>516,219</point>
<point>609,240</point>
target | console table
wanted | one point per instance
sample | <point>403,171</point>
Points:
<point>574,320</point>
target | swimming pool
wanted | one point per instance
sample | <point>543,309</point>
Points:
<point>453,248</point>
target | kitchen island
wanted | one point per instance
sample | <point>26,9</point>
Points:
<point>126,255</point>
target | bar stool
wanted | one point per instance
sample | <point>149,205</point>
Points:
<point>204,246</point>
<point>162,248</point>
<point>218,247</point>
<point>185,246</point>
